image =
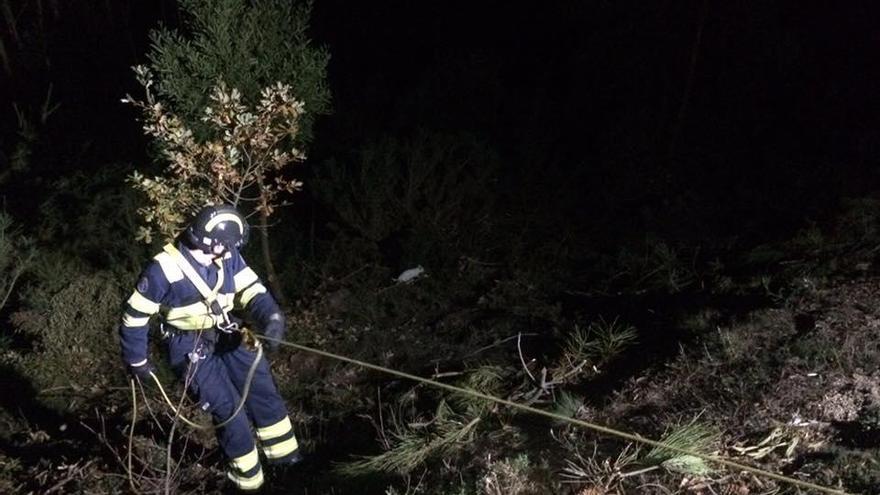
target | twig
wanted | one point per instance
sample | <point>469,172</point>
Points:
<point>70,477</point>
<point>523,361</point>
<point>447,374</point>
<point>385,441</point>
<point>639,471</point>
<point>149,408</point>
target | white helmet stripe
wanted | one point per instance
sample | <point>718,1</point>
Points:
<point>223,217</point>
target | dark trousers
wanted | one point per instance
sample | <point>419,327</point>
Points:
<point>215,366</point>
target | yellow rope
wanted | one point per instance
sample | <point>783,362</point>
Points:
<point>179,414</point>
<point>131,434</point>
<point>559,417</point>
<point>241,402</point>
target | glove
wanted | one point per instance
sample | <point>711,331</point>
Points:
<point>274,329</point>
<point>142,371</point>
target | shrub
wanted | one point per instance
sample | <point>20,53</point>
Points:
<point>16,254</point>
<point>512,476</point>
<point>72,321</point>
<point>693,436</point>
<point>93,218</point>
<point>414,443</point>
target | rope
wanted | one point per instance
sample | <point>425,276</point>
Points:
<point>244,394</point>
<point>179,415</point>
<point>131,433</point>
<point>585,424</point>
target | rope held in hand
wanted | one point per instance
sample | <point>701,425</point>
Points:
<point>585,424</point>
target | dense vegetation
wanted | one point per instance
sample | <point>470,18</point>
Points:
<point>729,309</point>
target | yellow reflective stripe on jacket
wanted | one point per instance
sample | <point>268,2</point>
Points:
<point>142,304</point>
<point>198,316</point>
<point>280,449</point>
<point>247,483</point>
<point>274,431</point>
<point>244,278</point>
<point>134,321</point>
<point>251,292</point>
<point>169,267</point>
<point>246,462</point>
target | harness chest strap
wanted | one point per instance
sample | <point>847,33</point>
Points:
<point>210,295</point>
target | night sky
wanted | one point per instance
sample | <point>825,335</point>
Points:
<point>693,118</point>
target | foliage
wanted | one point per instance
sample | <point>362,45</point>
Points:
<point>91,219</point>
<point>602,474</point>
<point>567,404</point>
<point>510,476</point>
<point>16,256</point>
<point>248,44</point>
<point>71,325</point>
<point>487,380</point>
<point>10,470</point>
<point>599,342</point>
<point>694,437</point>
<point>31,125</point>
<point>243,161</point>
<point>412,444</point>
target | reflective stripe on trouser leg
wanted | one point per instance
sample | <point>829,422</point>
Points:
<point>213,388</point>
<point>250,479</point>
<point>264,405</point>
<point>277,440</point>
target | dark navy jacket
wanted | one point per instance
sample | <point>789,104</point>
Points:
<point>165,290</point>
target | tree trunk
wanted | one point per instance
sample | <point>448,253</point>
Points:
<point>271,273</point>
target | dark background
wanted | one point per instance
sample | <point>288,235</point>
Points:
<point>691,119</point>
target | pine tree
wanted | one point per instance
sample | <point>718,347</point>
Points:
<point>248,45</point>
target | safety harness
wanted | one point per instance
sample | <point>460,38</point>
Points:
<point>219,313</point>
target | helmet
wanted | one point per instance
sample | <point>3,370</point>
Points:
<point>217,228</point>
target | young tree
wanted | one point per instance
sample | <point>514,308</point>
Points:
<point>242,164</point>
<point>243,61</point>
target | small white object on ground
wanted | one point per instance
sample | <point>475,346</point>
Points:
<point>410,275</point>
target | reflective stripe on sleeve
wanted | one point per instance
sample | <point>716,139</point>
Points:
<point>247,482</point>
<point>244,278</point>
<point>274,431</point>
<point>280,449</point>
<point>142,304</point>
<point>134,321</point>
<point>246,462</point>
<point>251,292</point>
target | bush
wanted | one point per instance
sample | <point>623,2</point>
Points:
<point>510,477</point>
<point>71,321</point>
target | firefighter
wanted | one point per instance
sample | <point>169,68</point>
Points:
<point>192,285</point>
